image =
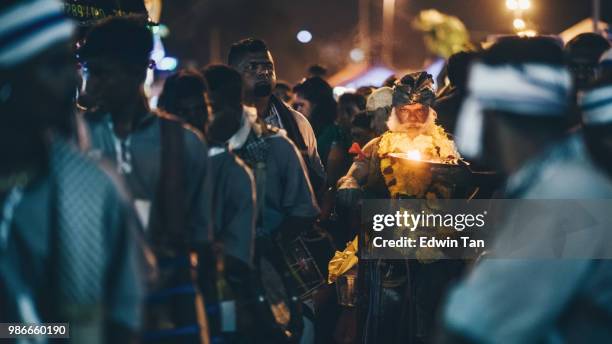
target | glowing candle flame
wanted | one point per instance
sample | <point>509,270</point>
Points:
<point>414,155</point>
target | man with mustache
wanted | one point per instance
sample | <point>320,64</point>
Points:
<point>411,124</point>
<point>253,60</point>
<point>374,175</point>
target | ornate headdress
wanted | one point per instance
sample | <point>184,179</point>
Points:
<point>414,88</point>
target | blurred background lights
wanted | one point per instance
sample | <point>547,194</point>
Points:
<point>519,24</point>
<point>515,5</point>
<point>304,36</point>
<point>357,55</point>
<point>167,63</point>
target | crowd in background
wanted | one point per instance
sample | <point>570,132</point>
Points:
<point>174,224</point>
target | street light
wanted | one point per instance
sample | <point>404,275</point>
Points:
<point>357,55</point>
<point>524,4</point>
<point>519,24</point>
<point>304,36</point>
<point>515,5</point>
<point>519,7</point>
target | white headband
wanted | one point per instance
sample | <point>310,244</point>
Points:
<point>27,29</point>
<point>526,89</point>
<point>596,106</point>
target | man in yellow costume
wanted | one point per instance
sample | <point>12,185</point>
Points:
<point>399,298</point>
<point>413,133</point>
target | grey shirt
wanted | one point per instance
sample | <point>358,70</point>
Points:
<point>287,188</point>
<point>142,149</point>
<point>288,191</point>
<point>233,200</point>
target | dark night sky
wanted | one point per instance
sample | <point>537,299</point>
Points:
<point>333,24</point>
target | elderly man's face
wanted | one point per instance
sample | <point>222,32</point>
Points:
<point>257,70</point>
<point>412,115</point>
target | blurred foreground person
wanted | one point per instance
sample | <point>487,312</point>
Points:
<point>531,288</point>
<point>69,242</point>
<point>164,165</point>
<point>252,59</point>
<point>183,97</point>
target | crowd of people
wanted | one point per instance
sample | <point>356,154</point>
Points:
<point>212,218</point>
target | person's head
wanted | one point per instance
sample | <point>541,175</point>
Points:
<point>365,91</point>
<point>314,98</point>
<point>605,65</point>
<point>389,81</point>
<point>413,96</point>
<point>378,106</point>
<point>317,71</point>
<point>582,54</point>
<point>183,96</point>
<point>253,60</point>
<point>37,76</point>
<point>116,57</point>
<point>518,103</point>
<point>457,67</point>
<point>596,107</point>
<point>349,104</point>
<point>361,128</point>
<point>224,97</point>
<point>283,92</point>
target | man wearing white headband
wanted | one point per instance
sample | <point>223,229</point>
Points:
<point>69,247</point>
<point>515,120</point>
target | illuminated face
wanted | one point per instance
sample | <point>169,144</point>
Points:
<point>412,116</point>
